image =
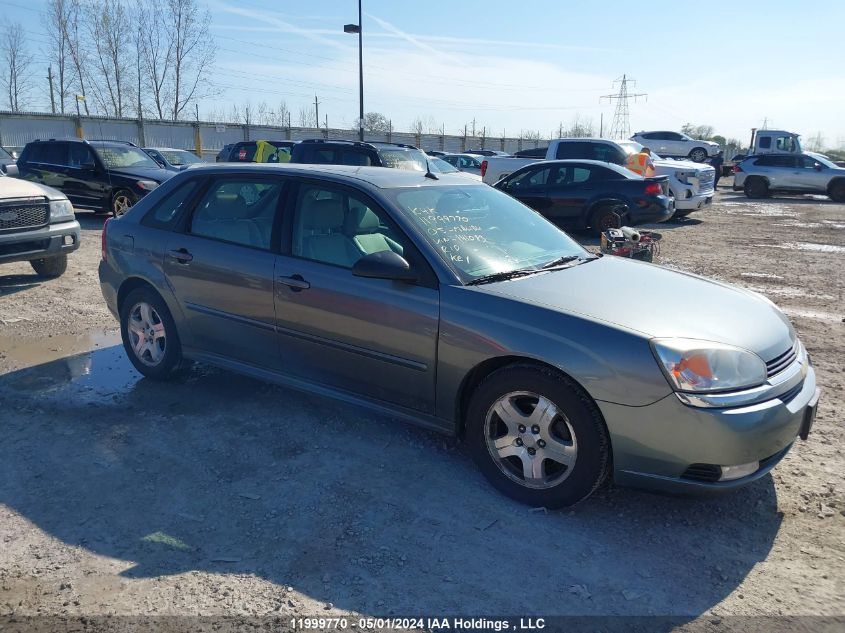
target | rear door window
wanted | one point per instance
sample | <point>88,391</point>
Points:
<point>55,154</point>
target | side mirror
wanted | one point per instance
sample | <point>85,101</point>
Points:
<point>15,155</point>
<point>12,170</point>
<point>384,265</point>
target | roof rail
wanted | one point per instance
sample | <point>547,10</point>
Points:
<point>108,140</point>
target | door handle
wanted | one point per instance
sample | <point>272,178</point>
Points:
<point>294,282</point>
<point>181,255</point>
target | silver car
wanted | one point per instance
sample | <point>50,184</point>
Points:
<point>465,162</point>
<point>450,304</point>
<point>760,176</point>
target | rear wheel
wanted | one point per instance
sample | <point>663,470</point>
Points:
<point>149,334</point>
<point>603,218</point>
<point>537,436</point>
<point>50,267</point>
<point>756,188</point>
<point>698,155</point>
<point>837,191</point>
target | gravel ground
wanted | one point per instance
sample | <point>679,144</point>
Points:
<point>222,495</point>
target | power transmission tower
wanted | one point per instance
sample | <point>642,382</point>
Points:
<point>621,127</point>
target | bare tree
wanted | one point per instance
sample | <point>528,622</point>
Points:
<point>581,128</point>
<point>58,51</point>
<point>16,77</point>
<point>281,114</point>
<point>307,117</point>
<point>156,53</point>
<point>76,48</point>
<point>193,51</point>
<point>417,126</point>
<point>107,24</point>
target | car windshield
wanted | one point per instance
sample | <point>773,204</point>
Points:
<point>179,157</point>
<point>480,231</point>
<point>116,156</point>
<point>442,166</point>
<point>412,159</point>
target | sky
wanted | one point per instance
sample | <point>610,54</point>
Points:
<point>532,65</point>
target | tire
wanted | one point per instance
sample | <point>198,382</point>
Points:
<point>147,326</point>
<point>571,429</point>
<point>604,218</point>
<point>121,201</point>
<point>698,155</point>
<point>50,267</point>
<point>837,191</point>
<point>756,188</point>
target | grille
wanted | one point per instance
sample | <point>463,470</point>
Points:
<point>17,248</point>
<point>703,472</point>
<point>705,180</point>
<point>779,363</point>
<point>23,214</point>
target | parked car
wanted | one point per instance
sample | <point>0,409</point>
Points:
<point>258,151</point>
<point>486,152</point>
<point>37,225</point>
<point>589,193</point>
<point>172,159</point>
<point>761,176</point>
<point>690,183</point>
<point>376,154</point>
<point>464,162</point>
<point>450,304</point>
<point>675,144</point>
<point>6,158</point>
<point>440,166</point>
<point>106,176</point>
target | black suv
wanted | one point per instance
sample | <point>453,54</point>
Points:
<point>338,152</point>
<point>245,152</point>
<point>106,176</point>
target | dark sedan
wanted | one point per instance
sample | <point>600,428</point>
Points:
<point>590,193</point>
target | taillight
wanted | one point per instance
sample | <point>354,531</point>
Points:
<point>103,239</point>
<point>653,189</point>
<point>483,168</point>
<point>737,169</point>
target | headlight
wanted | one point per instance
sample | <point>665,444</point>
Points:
<point>703,366</point>
<point>147,185</point>
<point>61,210</point>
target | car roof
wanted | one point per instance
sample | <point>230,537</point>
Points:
<point>379,177</point>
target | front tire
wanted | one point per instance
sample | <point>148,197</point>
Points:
<point>837,191</point>
<point>698,155</point>
<point>50,267</point>
<point>537,436</point>
<point>121,201</point>
<point>756,188</point>
<point>149,334</point>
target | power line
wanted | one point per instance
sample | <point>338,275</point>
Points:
<point>621,126</point>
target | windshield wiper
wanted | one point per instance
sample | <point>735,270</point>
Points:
<point>560,261</point>
<point>503,276</point>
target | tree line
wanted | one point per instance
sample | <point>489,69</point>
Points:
<point>112,57</point>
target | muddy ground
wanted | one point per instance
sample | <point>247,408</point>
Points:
<point>224,495</point>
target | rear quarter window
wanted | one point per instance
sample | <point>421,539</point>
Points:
<point>166,213</point>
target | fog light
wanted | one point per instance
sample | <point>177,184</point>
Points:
<point>735,472</point>
<point>67,240</point>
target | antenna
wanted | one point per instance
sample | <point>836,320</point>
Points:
<point>621,126</point>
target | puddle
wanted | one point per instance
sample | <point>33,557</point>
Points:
<point>94,364</point>
<point>806,246</point>
<point>812,314</point>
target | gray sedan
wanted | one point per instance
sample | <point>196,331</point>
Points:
<point>449,304</point>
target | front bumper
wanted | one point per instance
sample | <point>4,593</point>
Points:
<point>654,445</point>
<point>695,201</point>
<point>49,241</point>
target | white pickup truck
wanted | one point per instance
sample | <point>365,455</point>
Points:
<point>691,183</point>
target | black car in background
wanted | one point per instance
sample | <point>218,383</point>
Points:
<point>590,194</point>
<point>373,154</point>
<point>258,151</point>
<point>106,176</point>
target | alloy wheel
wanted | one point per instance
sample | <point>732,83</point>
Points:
<point>530,440</point>
<point>121,204</point>
<point>147,336</point>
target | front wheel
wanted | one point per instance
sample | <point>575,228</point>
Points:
<point>50,267</point>
<point>698,155</point>
<point>149,334</point>
<point>537,437</point>
<point>756,188</point>
<point>121,202</point>
<point>837,191</point>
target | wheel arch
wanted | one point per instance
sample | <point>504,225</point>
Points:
<point>836,180</point>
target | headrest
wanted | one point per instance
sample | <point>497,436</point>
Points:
<point>368,222</point>
<point>323,215</point>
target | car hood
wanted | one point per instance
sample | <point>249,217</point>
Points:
<point>144,173</point>
<point>17,188</point>
<point>665,166</point>
<point>656,302</point>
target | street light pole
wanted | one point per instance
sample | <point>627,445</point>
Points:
<point>356,28</point>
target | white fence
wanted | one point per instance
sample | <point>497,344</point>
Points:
<point>17,129</point>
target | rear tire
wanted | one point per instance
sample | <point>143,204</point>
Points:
<point>756,188</point>
<point>50,267</point>
<point>604,218</point>
<point>149,334</point>
<point>537,436</point>
<point>837,191</point>
<point>698,155</point>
